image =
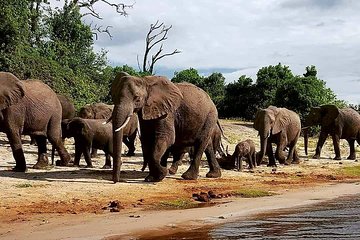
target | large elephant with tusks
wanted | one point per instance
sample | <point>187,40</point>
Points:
<point>170,115</point>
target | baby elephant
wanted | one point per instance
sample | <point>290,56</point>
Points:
<point>90,133</point>
<point>244,149</point>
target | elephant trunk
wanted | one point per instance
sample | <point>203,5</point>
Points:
<point>263,145</point>
<point>119,118</point>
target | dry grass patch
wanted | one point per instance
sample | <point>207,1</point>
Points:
<point>252,193</point>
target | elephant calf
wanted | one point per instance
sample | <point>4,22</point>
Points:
<point>93,133</point>
<point>244,149</point>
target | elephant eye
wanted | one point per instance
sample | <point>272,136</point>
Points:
<point>137,98</point>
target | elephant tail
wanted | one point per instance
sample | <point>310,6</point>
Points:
<point>221,130</point>
<point>306,139</point>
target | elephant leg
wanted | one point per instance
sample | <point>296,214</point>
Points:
<point>336,142</point>
<point>42,161</point>
<point>177,158</point>
<point>54,136</point>
<point>94,153</point>
<point>32,140</point>
<point>279,153</point>
<point>254,159</point>
<point>18,153</point>
<point>270,153</point>
<point>250,160</point>
<point>157,172</point>
<point>352,155</point>
<point>78,153</point>
<point>107,161</point>
<point>87,156</point>
<point>296,159</point>
<point>130,144</point>
<point>322,139</point>
<point>214,166</point>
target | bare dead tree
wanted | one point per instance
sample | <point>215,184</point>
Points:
<point>89,6</point>
<point>89,10</point>
<point>157,35</point>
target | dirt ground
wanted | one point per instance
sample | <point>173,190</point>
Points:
<point>70,190</point>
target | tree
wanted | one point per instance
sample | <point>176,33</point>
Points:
<point>269,79</point>
<point>190,75</point>
<point>214,85</point>
<point>300,93</point>
<point>157,35</point>
<point>239,99</point>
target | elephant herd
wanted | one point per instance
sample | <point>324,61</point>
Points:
<point>171,118</point>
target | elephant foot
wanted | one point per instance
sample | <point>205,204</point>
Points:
<point>42,162</point>
<point>157,176</point>
<point>190,175</point>
<point>351,157</point>
<point>19,169</point>
<point>130,154</point>
<point>297,161</point>
<point>337,158</point>
<point>272,165</point>
<point>173,170</point>
<point>214,174</point>
<point>316,156</point>
<point>282,161</point>
<point>287,163</point>
<point>106,167</point>
<point>62,163</point>
<point>151,178</point>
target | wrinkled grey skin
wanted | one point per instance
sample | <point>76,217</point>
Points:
<point>90,133</point>
<point>215,146</point>
<point>244,149</point>
<point>282,127</point>
<point>68,112</point>
<point>169,117</point>
<point>96,111</point>
<point>338,123</point>
<point>30,108</point>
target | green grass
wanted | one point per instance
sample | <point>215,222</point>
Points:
<point>181,203</point>
<point>252,193</point>
<point>353,171</point>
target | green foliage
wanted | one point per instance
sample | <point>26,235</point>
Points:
<point>239,99</point>
<point>214,84</point>
<point>269,79</point>
<point>190,75</point>
<point>302,93</point>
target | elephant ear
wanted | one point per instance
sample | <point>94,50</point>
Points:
<point>11,90</point>
<point>257,122</point>
<point>282,119</point>
<point>163,97</point>
<point>328,114</point>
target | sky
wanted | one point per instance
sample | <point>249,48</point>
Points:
<point>238,37</point>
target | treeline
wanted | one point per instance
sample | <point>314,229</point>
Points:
<point>56,46</point>
<point>274,85</point>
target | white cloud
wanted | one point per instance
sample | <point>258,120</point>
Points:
<point>238,34</point>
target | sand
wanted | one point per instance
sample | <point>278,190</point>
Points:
<point>68,202</point>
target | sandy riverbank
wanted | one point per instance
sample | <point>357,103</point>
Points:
<point>72,202</point>
<point>125,226</point>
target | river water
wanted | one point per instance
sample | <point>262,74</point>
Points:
<point>336,219</point>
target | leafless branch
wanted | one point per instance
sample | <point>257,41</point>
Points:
<point>100,29</point>
<point>157,34</point>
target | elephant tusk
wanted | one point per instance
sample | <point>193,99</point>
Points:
<point>268,135</point>
<point>122,126</point>
<point>107,121</point>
